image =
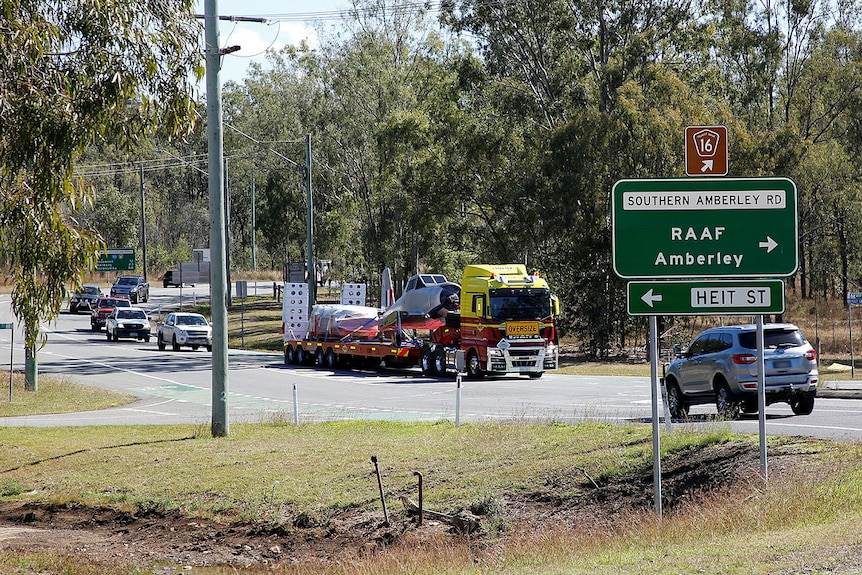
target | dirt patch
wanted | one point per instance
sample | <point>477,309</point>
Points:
<point>570,497</point>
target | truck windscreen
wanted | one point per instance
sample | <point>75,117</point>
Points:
<point>520,304</point>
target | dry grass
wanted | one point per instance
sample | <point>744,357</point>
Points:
<point>804,520</point>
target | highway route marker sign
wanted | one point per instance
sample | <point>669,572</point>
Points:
<point>718,297</point>
<point>704,228</point>
<point>706,151</point>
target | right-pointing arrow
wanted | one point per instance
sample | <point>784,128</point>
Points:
<point>769,244</point>
<point>649,298</point>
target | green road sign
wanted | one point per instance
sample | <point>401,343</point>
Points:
<point>704,228</point>
<point>116,260</point>
<point>6,326</point>
<point>717,297</point>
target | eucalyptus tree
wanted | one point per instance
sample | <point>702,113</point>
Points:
<point>593,91</point>
<point>69,71</point>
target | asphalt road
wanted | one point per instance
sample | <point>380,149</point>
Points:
<point>175,387</point>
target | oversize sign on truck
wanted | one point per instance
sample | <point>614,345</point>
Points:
<point>718,297</point>
<point>702,228</point>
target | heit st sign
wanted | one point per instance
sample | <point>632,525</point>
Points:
<point>704,228</point>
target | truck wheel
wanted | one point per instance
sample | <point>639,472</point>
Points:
<point>289,355</point>
<point>474,370</point>
<point>426,361</point>
<point>108,335</point>
<point>440,360</point>
<point>319,358</point>
<point>301,355</point>
<point>160,342</point>
<point>802,405</point>
<point>174,345</point>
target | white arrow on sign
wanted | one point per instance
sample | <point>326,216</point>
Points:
<point>707,166</point>
<point>769,244</point>
<point>649,298</point>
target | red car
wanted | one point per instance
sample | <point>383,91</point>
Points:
<point>103,309</point>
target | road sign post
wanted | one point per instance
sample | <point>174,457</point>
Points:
<point>719,297</point>
<point>704,228</point>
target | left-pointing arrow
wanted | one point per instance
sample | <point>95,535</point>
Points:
<point>650,298</point>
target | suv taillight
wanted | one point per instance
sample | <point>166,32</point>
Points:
<point>744,358</point>
<point>811,355</point>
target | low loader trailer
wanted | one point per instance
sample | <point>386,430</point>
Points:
<point>500,320</point>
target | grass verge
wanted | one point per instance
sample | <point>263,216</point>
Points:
<point>54,396</point>
<point>803,521</point>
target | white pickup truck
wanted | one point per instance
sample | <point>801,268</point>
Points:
<point>184,329</point>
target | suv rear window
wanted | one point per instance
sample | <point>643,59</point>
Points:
<point>772,338</point>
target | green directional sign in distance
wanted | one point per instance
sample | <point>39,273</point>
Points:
<point>704,228</point>
<point>116,260</point>
<point>717,297</point>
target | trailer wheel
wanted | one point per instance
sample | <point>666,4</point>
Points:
<point>291,353</point>
<point>330,359</point>
<point>319,357</point>
<point>474,370</point>
<point>426,361</point>
<point>301,355</point>
<point>440,360</point>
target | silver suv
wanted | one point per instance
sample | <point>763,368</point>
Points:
<point>720,366</point>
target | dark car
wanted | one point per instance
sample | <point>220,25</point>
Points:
<point>134,288</point>
<point>720,366</point>
<point>103,309</point>
<point>84,298</point>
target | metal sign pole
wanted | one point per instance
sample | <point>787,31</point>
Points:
<point>850,328</point>
<point>761,396</point>
<point>11,350</point>
<point>656,443</point>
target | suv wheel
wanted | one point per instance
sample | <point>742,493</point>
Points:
<point>802,405</point>
<point>160,342</point>
<point>675,403</point>
<point>725,403</point>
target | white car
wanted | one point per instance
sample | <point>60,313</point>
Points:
<point>131,322</point>
<point>185,329</point>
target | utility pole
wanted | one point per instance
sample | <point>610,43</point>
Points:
<point>312,275</point>
<point>253,248</point>
<point>143,224</point>
<point>215,143</point>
